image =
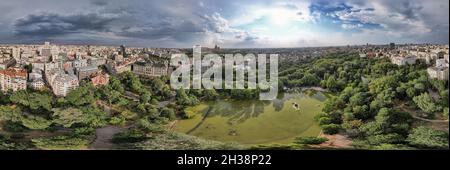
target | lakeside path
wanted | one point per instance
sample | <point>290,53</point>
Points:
<point>103,137</point>
<point>314,88</point>
<point>336,141</point>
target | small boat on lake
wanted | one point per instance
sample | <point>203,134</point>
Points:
<point>296,106</point>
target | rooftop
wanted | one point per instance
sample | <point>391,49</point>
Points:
<point>14,72</point>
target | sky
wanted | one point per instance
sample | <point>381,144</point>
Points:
<point>227,23</point>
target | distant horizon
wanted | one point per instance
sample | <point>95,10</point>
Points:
<point>212,46</point>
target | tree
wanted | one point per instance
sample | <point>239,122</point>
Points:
<point>383,99</point>
<point>8,113</point>
<point>67,117</point>
<point>309,80</point>
<point>381,68</point>
<point>145,97</point>
<point>393,121</point>
<point>81,96</point>
<point>371,128</point>
<point>93,117</point>
<point>376,86</point>
<point>160,88</point>
<point>210,94</point>
<point>35,122</point>
<point>34,101</point>
<point>132,82</point>
<point>426,103</point>
<point>332,104</point>
<point>331,128</point>
<point>115,84</point>
<point>332,84</point>
<point>361,112</point>
<point>348,92</point>
<point>111,95</point>
<point>168,113</point>
<point>423,137</point>
<point>411,92</point>
<point>184,99</point>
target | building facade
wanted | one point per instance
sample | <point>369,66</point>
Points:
<point>63,84</point>
<point>86,72</point>
<point>404,60</point>
<point>149,69</point>
<point>13,79</point>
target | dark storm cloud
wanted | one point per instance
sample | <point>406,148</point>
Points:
<point>163,29</point>
<point>409,9</point>
<point>99,2</point>
<point>187,22</point>
<point>50,24</point>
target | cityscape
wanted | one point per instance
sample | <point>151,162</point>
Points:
<point>61,68</point>
<point>352,75</point>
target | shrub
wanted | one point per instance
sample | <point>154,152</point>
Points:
<point>331,129</point>
<point>146,126</point>
<point>117,120</point>
<point>84,131</point>
<point>132,136</point>
<point>60,143</point>
<point>325,121</point>
<point>128,115</point>
<point>168,113</point>
<point>391,138</point>
<point>310,140</point>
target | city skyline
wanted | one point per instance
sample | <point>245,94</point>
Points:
<point>231,24</point>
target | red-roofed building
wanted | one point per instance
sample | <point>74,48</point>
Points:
<point>13,79</point>
<point>100,79</point>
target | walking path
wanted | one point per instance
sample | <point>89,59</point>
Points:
<point>104,136</point>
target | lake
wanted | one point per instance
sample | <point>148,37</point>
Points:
<point>254,122</point>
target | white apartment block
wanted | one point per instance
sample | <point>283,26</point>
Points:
<point>440,70</point>
<point>62,84</point>
<point>410,59</point>
<point>440,73</point>
<point>37,84</point>
<point>52,66</point>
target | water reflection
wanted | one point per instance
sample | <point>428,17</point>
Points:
<point>256,122</point>
<point>240,111</point>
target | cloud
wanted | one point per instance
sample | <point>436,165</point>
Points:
<point>99,2</point>
<point>233,23</point>
<point>50,24</point>
<point>351,26</point>
<point>216,23</point>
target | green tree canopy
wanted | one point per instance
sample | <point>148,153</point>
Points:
<point>426,103</point>
<point>67,117</point>
<point>428,138</point>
